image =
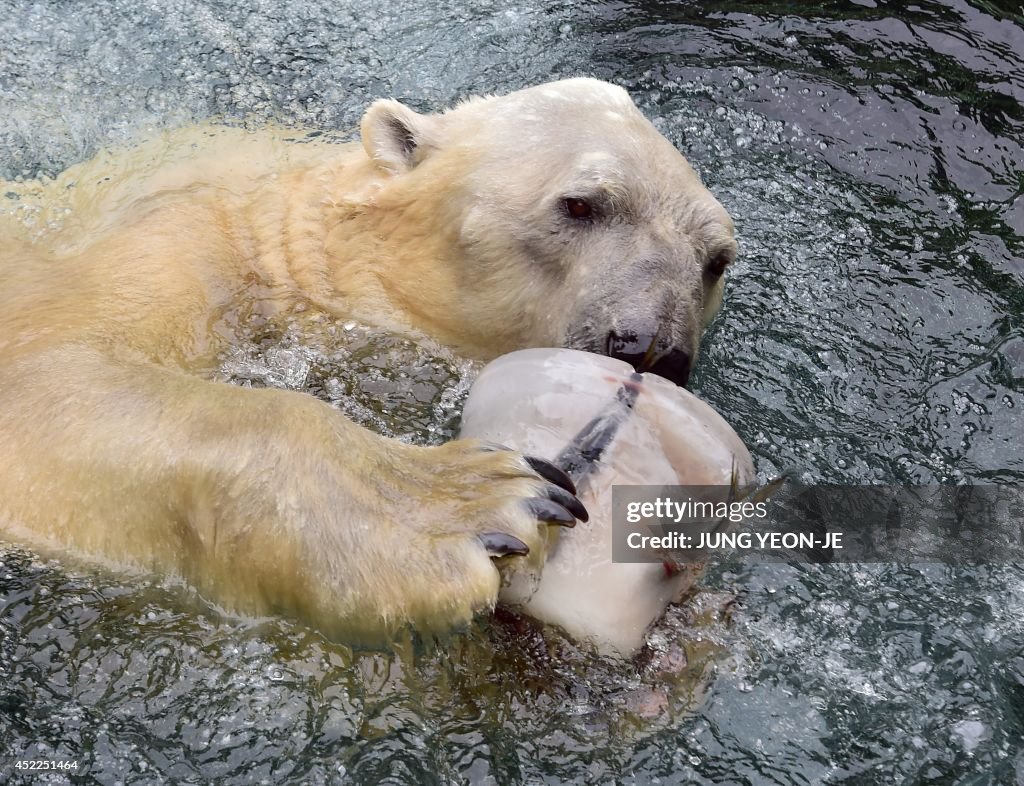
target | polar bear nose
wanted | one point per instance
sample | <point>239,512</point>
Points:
<point>671,363</point>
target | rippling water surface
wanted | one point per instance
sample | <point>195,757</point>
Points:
<point>871,154</point>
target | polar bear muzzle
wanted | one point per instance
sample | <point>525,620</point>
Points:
<point>642,352</point>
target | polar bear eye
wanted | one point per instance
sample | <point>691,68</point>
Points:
<point>578,209</point>
<point>716,267</point>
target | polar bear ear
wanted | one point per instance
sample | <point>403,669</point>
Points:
<point>395,137</point>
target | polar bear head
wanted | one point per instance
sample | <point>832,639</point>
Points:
<point>570,221</point>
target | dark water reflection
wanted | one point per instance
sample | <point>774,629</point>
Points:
<point>872,156</point>
<point>889,150</point>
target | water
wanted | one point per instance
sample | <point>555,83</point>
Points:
<point>871,154</point>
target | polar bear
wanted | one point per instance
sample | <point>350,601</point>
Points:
<point>552,216</point>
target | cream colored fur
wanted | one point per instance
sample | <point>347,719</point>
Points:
<point>117,301</point>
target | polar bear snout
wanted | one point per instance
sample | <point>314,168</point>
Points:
<point>666,345</point>
<point>644,352</point>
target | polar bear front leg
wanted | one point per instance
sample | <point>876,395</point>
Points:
<point>268,501</point>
